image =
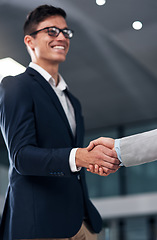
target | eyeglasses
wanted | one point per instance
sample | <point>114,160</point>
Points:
<point>54,32</point>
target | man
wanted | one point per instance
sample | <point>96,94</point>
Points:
<point>42,126</point>
<point>132,150</point>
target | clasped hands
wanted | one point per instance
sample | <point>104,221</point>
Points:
<point>99,157</point>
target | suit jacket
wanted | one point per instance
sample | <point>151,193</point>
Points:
<point>45,199</point>
<point>138,149</point>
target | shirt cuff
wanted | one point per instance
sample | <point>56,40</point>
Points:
<point>117,149</point>
<point>72,162</point>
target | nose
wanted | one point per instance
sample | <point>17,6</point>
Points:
<point>61,36</point>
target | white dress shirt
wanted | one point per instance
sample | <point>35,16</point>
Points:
<point>117,149</point>
<point>66,104</point>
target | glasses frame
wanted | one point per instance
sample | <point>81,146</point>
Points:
<point>64,31</point>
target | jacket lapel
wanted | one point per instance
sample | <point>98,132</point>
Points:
<point>46,86</point>
<point>79,121</point>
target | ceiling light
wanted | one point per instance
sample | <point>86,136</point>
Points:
<point>137,25</point>
<point>8,66</point>
<point>100,2</point>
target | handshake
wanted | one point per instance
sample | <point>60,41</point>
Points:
<point>99,157</point>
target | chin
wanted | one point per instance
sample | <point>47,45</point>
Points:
<point>59,60</point>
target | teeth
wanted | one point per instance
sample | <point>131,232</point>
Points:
<point>58,47</point>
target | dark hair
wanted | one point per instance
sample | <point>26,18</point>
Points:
<point>40,14</point>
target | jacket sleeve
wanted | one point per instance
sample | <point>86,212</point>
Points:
<point>19,132</point>
<point>139,149</point>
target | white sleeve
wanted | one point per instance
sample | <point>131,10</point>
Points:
<point>72,161</point>
<point>139,149</point>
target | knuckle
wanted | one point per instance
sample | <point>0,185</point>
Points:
<point>98,147</point>
<point>114,161</point>
<point>112,166</point>
<point>112,154</point>
<point>108,171</point>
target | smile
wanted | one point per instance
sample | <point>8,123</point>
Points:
<point>59,47</point>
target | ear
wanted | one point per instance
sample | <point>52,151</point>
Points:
<point>29,41</point>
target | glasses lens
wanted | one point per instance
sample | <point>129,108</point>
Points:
<point>52,31</point>
<point>68,33</point>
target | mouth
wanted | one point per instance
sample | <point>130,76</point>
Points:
<point>59,47</point>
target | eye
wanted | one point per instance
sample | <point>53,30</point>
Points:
<point>68,33</point>
<point>52,31</point>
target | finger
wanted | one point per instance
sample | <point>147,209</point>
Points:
<point>108,165</point>
<point>93,169</point>
<point>109,171</point>
<point>107,151</point>
<point>90,168</point>
<point>108,162</point>
<point>108,142</point>
<point>105,154</point>
<point>98,170</point>
<point>90,146</point>
<point>102,172</point>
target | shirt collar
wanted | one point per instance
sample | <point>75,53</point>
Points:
<point>61,85</point>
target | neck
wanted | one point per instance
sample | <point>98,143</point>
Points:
<point>52,69</point>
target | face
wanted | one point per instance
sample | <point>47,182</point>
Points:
<point>48,49</point>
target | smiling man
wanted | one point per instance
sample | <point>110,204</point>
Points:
<point>42,125</point>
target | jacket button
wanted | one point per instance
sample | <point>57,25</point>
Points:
<point>78,176</point>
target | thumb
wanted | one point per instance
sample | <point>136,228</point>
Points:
<point>91,146</point>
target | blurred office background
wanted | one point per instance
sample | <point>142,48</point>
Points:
<point>112,69</point>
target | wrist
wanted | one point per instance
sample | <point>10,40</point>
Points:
<point>80,156</point>
<point>72,162</point>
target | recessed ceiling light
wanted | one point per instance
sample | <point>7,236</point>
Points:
<point>137,25</point>
<point>100,2</point>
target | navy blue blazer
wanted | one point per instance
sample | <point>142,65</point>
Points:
<point>44,199</point>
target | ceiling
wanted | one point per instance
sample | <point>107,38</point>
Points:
<point>111,68</point>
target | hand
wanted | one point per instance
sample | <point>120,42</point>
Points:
<point>101,171</point>
<point>107,143</point>
<point>100,155</point>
